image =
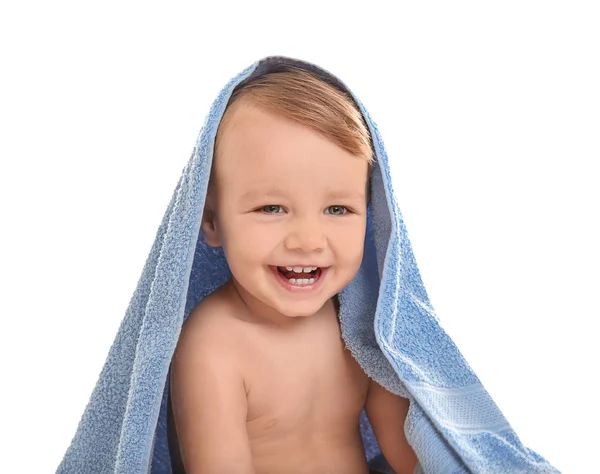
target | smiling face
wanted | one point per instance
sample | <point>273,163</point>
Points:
<point>282,196</point>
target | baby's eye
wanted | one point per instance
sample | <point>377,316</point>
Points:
<point>271,209</point>
<point>338,210</point>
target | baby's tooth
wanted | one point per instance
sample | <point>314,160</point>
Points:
<point>301,281</point>
<point>307,269</point>
<point>289,269</point>
<point>298,269</point>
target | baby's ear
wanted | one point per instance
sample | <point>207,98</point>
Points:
<point>209,225</point>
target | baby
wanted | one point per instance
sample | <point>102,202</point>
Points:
<point>261,381</point>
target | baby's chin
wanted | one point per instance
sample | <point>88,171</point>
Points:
<point>299,315</point>
<point>301,310</point>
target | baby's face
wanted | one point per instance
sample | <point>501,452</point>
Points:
<point>286,197</point>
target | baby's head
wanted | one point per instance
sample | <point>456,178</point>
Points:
<point>289,189</point>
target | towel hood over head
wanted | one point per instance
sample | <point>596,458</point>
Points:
<point>387,323</point>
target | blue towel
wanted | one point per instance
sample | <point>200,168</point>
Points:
<point>387,322</point>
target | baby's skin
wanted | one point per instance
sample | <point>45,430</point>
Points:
<point>288,397</point>
<point>261,382</point>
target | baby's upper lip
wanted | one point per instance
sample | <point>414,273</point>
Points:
<point>303,265</point>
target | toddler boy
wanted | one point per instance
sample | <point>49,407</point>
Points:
<point>261,381</point>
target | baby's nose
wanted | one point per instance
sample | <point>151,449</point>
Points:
<point>306,236</point>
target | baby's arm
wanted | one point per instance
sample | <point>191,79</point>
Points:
<point>209,403</point>
<point>387,413</point>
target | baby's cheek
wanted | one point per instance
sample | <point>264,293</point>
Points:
<point>255,242</point>
<point>251,247</point>
<point>352,242</point>
<point>353,250</point>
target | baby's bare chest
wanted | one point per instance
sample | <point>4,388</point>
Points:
<point>307,383</point>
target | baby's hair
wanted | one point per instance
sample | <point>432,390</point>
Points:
<point>301,96</point>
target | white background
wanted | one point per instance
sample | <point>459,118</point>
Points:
<point>490,112</point>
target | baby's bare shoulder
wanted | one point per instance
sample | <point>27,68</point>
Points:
<point>208,348</point>
<point>212,324</point>
<point>208,392</point>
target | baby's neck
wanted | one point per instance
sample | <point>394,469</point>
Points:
<point>257,313</point>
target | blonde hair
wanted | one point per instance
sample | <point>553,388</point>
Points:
<point>301,96</point>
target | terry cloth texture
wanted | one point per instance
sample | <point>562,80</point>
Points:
<point>387,323</point>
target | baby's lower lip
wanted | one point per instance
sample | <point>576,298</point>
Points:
<point>294,288</point>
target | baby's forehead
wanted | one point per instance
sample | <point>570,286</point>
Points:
<point>259,149</point>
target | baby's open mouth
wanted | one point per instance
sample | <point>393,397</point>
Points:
<point>300,275</point>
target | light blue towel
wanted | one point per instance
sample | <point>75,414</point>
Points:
<point>387,322</point>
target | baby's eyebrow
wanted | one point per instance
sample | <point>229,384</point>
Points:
<point>345,194</point>
<point>278,192</point>
<point>260,193</point>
